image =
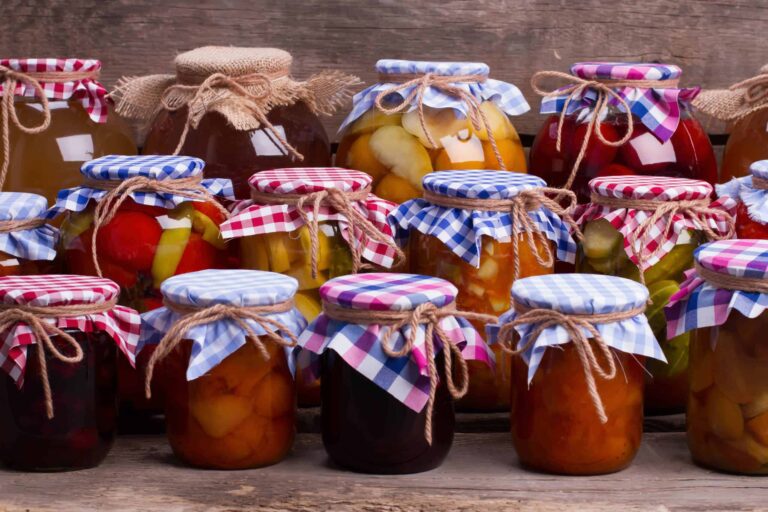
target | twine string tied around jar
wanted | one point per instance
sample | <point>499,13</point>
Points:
<point>10,226</point>
<point>759,183</point>
<point>729,282</point>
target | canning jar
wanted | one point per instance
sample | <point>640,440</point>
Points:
<point>723,303</point>
<point>619,119</point>
<point>61,119</point>
<point>473,229</point>
<point>577,410</point>
<point>384,408</point>
<point>238,109</point>
<point>27,242</point>
<point>223,362</point>
<point>430,116</point>
<point>290,208</point>
<point>61,415</point>
<point>749,194</point>
<point>653,224</point>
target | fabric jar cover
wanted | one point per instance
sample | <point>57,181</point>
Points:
<point>117,168</point>
<point>122,324</point>
<point>659,109</point>
<point>654,188</point>
<point>700,304</point>
<point>405,378</point>
<point>253,218</point>
<point>505,95</point>
<point>461,229</point>
<point>213,342</point>
<point>741,189</point>
<point>581,294</point>
<point>34,244</point>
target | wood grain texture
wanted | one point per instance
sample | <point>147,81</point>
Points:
<point>716,41</point>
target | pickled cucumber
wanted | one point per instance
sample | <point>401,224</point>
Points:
<point>672,265</point>
<point>601,240</point>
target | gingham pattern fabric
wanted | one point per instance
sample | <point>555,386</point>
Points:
<point>89,92</point>
<point>656,188</point>
<point>581,294</point>
<point>122,324</point>
<point>505,95</point>
<point>740,189</point>
<point>405,378</point>
<point>657,108</point>
<point>29,244</point>
<point>251,218</point>
<point>120,167</point>
<point>214,342</point>
<point>699,304</point>
<point>462,230</point>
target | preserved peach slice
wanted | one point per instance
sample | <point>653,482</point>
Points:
<point>730,455</point>
<point>254,252</point>
<point>402,153</point>
<point>498,121</point>
<point>360,157</point>
<point>488,270</point>
<point>233,450</point>
<point>731,370</point>
<point>251,432</point>
<point>279,256</point>
<point>701,374</point>
<point>372,120</point>
<point>724,416</point>
<point>396,189</point>
<point>512,154</point>
<point>756,407</point>
<point>758,427</point>
<point>278,438</point>
<point>441,123</point>
<point>460,153</point>
<point>219,415</point>
<point>323,248</point>
<point>274,395</point>
<point>245,365</point>
<point>308,305</point>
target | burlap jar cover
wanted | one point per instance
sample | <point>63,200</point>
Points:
<point>737,101</point>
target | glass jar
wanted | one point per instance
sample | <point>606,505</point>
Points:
<point>388,140</point>
<point>747,143</point>
<point>27,241</point>
<point>662,143</point>
<point>749,194</point>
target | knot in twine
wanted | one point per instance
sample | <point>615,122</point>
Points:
<point>518,207</point>
<point>755,89</point>
<point>695,210</point>
<point>429,316</point>
<point>193,317</point>
<point>34,317</point>
<point>729,282</point>
<point>445,84</point>
<point>574,325</point>
<point>343,203</point>
<point>118,191</point>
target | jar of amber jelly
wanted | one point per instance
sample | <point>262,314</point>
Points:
<point>750,194</point>
<point>61,119</point>
<point>27,242</point>
<point>222,358</point>
<point>430,116</point>
<point>481,231</point>
<point>577,398</point>
<point>723,303</point>
<point>386,387</point>
<point>616,118</point>
<point>646,228</point>
<point>58,400</point>
<point>236,108</point>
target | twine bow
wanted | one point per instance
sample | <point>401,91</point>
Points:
<point>193,317</point>
<point>429,316</point>
<point>445,84</point>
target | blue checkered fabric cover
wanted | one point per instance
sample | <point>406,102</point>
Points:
<point>213,342</point>
<point>121,167</point>
<point>462,230</point>
<point>755,199</point>
<point>29,244</point>
<point>505,95</point>
<point>581,294</point>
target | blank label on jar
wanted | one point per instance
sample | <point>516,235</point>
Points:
<point>651,151</point>
<point>265,143</point>
<point>76,148</point>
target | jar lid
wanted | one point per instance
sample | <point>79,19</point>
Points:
<point>56,290</point>
<point>231,61</point>
<point>650,187</point>
<point>738,258</point>
<point>625,71</point>
<point>579,294</point>
<point>248,288</point>
<point>398,66</point>
<point>158,167</point>
<point>381,291</point>
<point>306,180</point>
<point>480,184</point>
<point>21,206</point>
<point>759,169</point>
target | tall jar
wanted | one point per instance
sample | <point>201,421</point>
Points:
<point>385,409</point>
<point>750,194</point>
<point>430,116</point>
<point>621,119</point>
<point>348,225</point>
<point>723,304</point>
<point>153,217</point>
<point>238,109</point>
<point>61,119</point>
<point>577,396</point>
<point>27,242</point>
<point>223,361</point>
<point>61,415</point>
<point>652,225</point>
<point>462,231</point>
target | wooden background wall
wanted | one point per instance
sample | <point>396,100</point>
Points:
<point>715,41</point>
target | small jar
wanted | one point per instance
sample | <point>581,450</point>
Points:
<point>238,109</point>
<point>80,127</point>
<point>621,211</point>
<point>723,304</point>
<point>223,362</point>
<point>61,416</point>
<point>462,230</point>
<point>27,242</point>
<point>750,194</point>
<point>460,120</point>
<point>275,234</point>
<point>384,409</point>
<point>663,138</point>
<point>568,418</point>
